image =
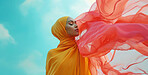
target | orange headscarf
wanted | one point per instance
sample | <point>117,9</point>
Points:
<point>65,59</point>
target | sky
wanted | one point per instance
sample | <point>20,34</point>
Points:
<point>25,32</point>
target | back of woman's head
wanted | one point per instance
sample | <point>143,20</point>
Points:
<point>58,29</point>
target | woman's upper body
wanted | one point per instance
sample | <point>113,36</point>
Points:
<point>66,59</point>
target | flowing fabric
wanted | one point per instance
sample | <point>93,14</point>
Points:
<point>65,59</point>
<point>114,36</point>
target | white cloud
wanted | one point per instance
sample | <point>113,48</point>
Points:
<point>89,2</point>
<point>52,15</point>
<point>31,64</point>
<point>81,6</point>
<point>5,36</point>
<point>28,4</point>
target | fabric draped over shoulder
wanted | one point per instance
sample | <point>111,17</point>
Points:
<point>114,36</point>
<point>65,59</point>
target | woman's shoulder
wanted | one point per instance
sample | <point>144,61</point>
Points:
<point>51,52</point>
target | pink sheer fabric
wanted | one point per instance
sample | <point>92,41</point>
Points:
<point>114,35</point>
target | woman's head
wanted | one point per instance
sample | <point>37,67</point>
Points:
<point>65,27</point>
<point>71,27</point>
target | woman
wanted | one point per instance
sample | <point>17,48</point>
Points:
<point>66,59</point>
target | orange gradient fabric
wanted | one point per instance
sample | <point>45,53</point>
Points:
<point>65,59</point>
<point>114,36</point>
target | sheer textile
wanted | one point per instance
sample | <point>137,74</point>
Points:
<point>114,36</point>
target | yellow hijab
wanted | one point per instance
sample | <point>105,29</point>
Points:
<point>65,59</point>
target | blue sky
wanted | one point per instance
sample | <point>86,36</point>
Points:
<point>25,32</point>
